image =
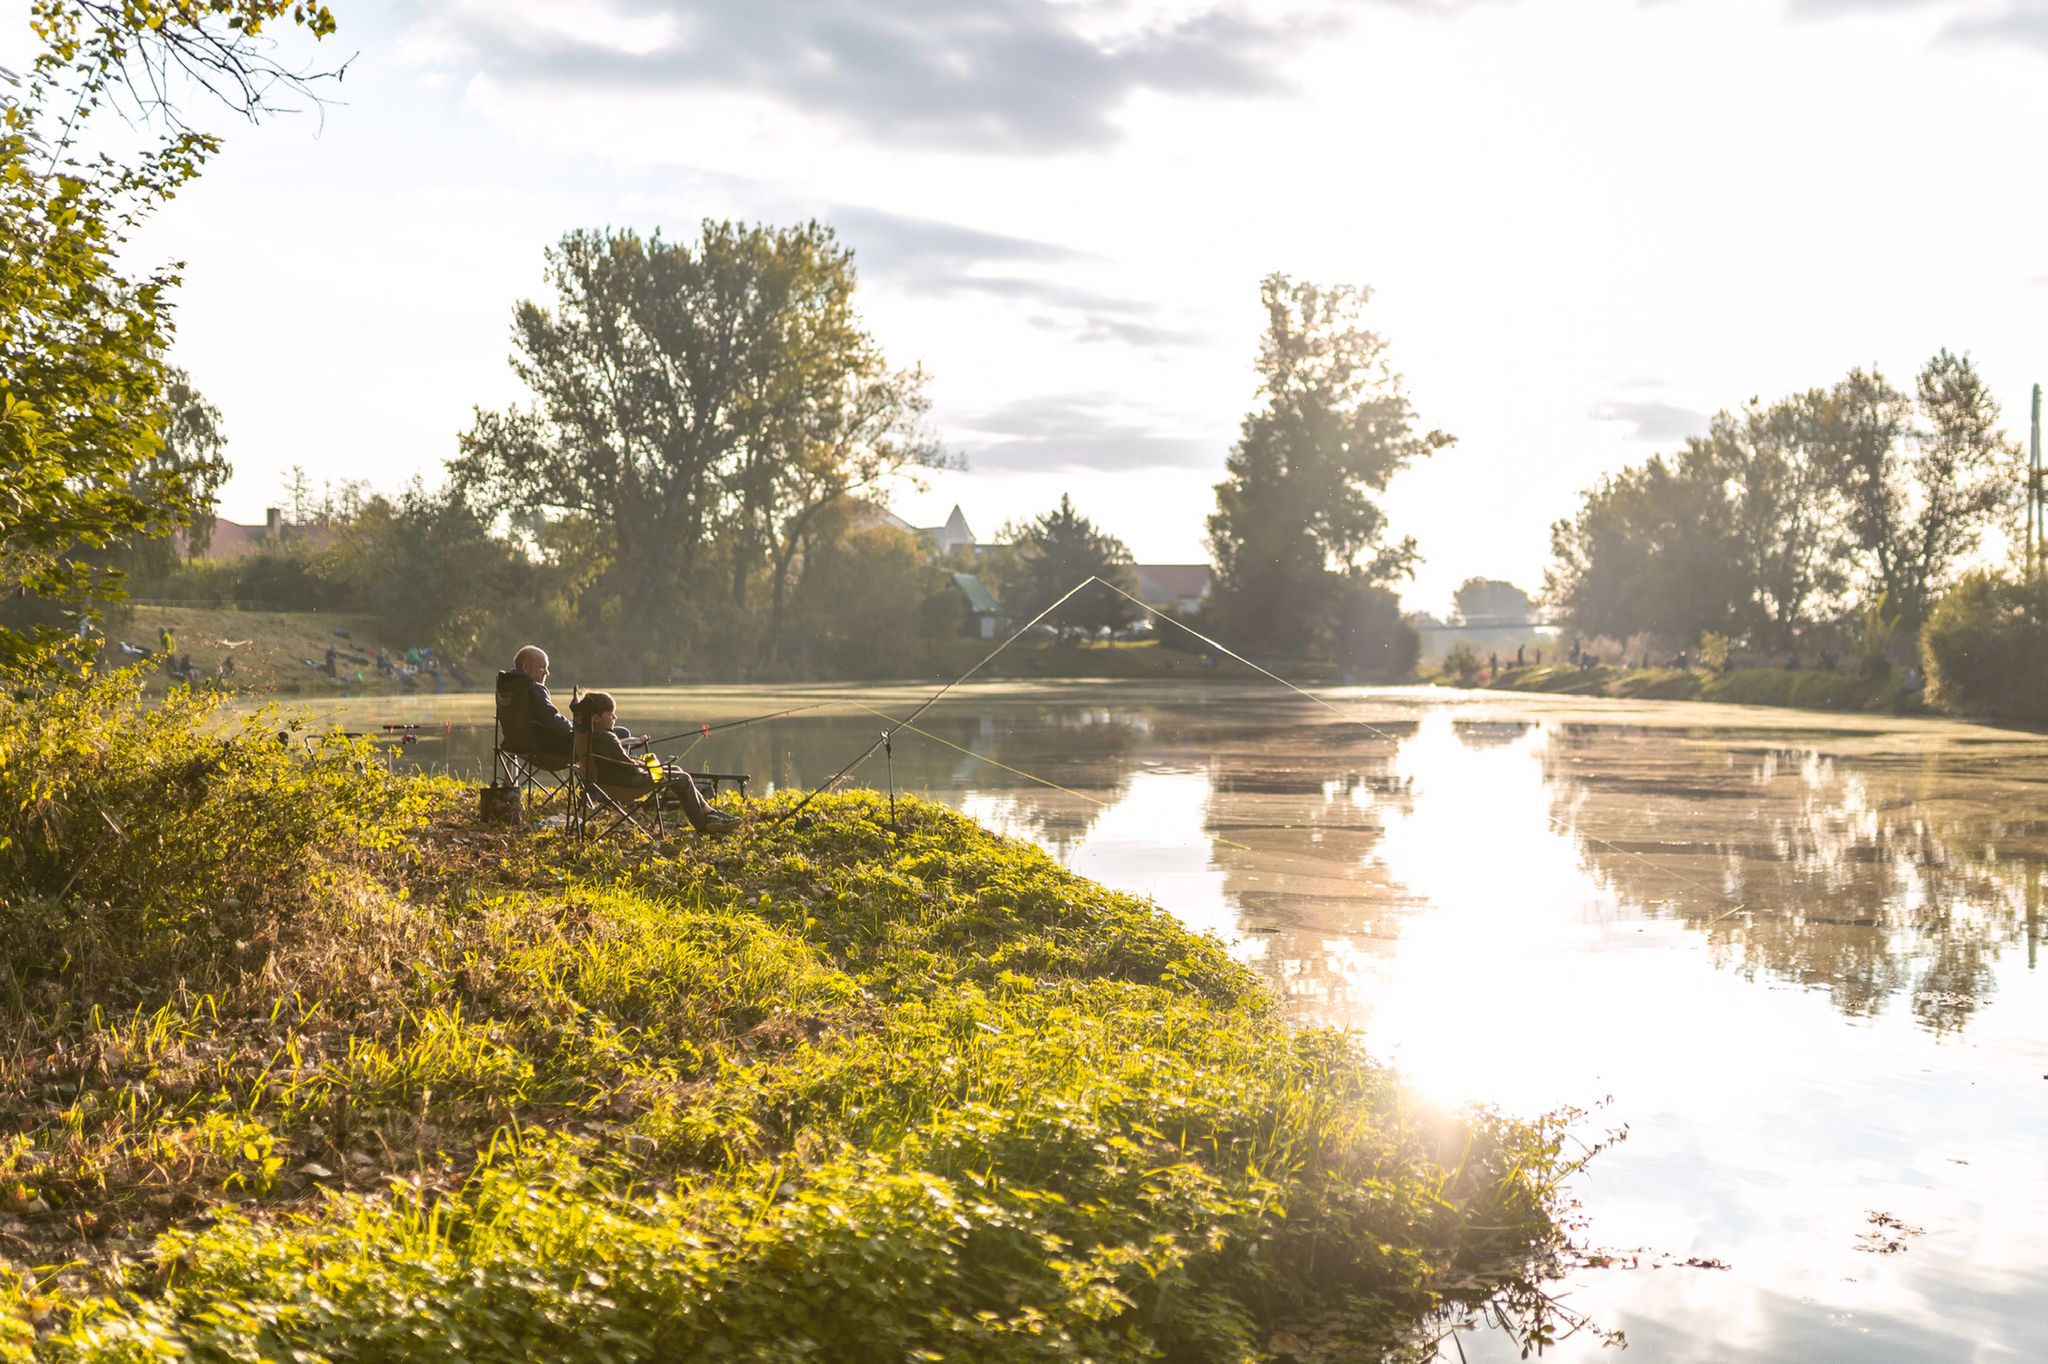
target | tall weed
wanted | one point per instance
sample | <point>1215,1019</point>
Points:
<point>141,841</point>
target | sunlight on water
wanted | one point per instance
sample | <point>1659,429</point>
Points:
<point>1801,966</point>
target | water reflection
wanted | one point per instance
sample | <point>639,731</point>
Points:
<point>1873,884</point>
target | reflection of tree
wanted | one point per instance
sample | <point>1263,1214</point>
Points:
<point>1295,816</point>
<point>1869,882</point>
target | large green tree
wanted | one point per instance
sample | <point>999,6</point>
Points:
<point>1650,551</point>
<point>1918,495</point>
<point>697,403</point>
<point>1773,464</point>
<point>1298,511</point>
<point>1048,556</point>
<point>83,412</point>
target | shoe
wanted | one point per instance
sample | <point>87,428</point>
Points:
<point>716,823</point>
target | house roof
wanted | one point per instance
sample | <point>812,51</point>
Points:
<point>979,597</point>
<point>1172,582</point>
<point>236,539</point>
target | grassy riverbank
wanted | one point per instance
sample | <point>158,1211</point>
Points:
<point>280,652</point>
<point>1806,689</point>
<point>305,1063</point>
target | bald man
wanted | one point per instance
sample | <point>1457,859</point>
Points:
<point>552,732</point>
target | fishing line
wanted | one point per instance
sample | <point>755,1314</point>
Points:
<point>934,700</point>
<point>1020,772</point>
<point>1555,823</point>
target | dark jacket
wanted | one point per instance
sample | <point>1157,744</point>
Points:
<point>609,765</point>
<point>549,724</point>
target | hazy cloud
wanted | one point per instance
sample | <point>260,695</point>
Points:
<point>931,259</point>
<point>1073,431</point>
<point>1017,75</point>
<point>2022,23</point>
<point>1652,419</point>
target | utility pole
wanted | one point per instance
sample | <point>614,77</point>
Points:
<point>2037,500</point>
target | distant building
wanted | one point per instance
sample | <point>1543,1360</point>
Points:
<point>985,613</point>
<point>940,540</point>
<point>1181,586</point>
<point>235,539</point>
<point>955,534</point>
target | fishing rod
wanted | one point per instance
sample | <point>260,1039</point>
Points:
<point>933,700</point>
<point>1222,648</point>
<point>702,731</point>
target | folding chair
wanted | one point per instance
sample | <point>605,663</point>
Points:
<point>609,805</point>
<point>516,757</point>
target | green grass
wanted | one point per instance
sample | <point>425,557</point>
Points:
<point>306,1064</point>
<point>1809,689</point>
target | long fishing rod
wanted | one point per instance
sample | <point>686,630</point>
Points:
<point>869,752</point>
<point>702,730</point>
<point>1554,821</point>
<point>1229,652</point>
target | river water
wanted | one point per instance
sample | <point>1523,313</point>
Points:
<point>1794,955</point>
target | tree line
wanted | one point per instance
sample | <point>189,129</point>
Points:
<point>693,485</point>
<point>1847,523</point>
<point>1825,507</point>
<point>695,488</point>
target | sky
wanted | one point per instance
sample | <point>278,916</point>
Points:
<point>1587,224</point>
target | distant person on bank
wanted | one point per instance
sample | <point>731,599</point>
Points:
<point>613,770</point>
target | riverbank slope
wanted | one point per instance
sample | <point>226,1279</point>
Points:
<point>1804,689</point>
<point>306,1059</point>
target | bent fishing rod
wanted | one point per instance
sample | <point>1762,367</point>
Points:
<point>1228,652</point>
<point>931,701</point>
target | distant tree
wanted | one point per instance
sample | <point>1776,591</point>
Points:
<point>1986,647</point>
<point>1774,464</point>
<point>195,453</point>
<point>1051,555</point>
<point>862,607</point>
<point>299,501</point>
<point>1298,510</point>
<point>692,400</point>
<point>1489,601</point>
<point>849,430</point>
<point>427,564</point>
<point>1650,552</point>
<point>1918,497</point>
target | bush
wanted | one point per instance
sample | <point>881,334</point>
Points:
<point>1986,648</point>
<point>139,841</point>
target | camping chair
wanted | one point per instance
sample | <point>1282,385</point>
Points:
<point>611,807</point>
<point>516,758</point>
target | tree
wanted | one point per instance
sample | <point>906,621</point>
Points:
<point>1919,498</point>
<point>1774,464</point>
<point>1297,508</point>
<point>1489,601</point>
<point>1054,553</point>
<point>841,434</point>
<point>692,400</point>
<point>427,565</point>
<point>1649,552</point>
<point>82,379</point>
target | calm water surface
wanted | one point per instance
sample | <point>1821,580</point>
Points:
<point>1795,955</point>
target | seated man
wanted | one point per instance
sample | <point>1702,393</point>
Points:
<point>613,770</point>
<point>553,735</point>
